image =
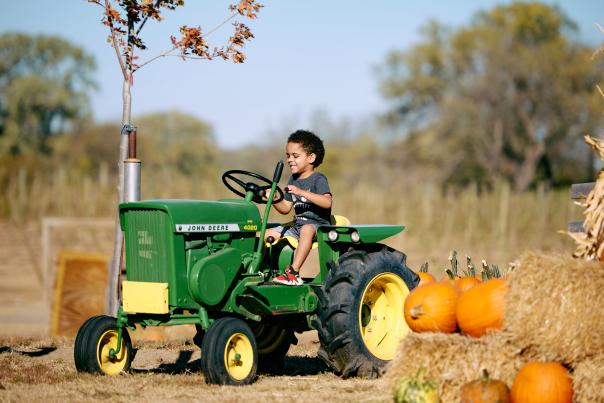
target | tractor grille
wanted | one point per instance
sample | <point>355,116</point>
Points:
<point>147,245</point>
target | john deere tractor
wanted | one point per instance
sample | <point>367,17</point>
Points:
<point>206,263</point>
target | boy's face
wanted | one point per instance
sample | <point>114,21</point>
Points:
<point>298,159</point>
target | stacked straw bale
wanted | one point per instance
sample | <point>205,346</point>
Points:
<point>554,312</point>
<point>452,360</point>
<point>588,380</point>
<point>555,308</point>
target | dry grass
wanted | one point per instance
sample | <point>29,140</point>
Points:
<point>160,374</point>
<point>497,225</point>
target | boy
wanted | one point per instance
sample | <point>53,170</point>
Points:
<point>308,193</point>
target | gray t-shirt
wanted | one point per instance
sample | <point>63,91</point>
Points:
<point>304,209</point>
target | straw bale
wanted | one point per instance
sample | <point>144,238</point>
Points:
<point>554,307</point>
<point>451,360</point>
<point>588,380</point>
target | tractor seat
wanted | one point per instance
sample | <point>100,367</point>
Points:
<point>338,220</point>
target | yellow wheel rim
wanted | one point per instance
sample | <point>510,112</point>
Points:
<point>381,318</point>
<point>238,356</point>
<point>111,366</point>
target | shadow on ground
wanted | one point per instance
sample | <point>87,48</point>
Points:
<point>38,353</point>
<point>294,366</point>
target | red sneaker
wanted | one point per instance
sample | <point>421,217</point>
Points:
<point>290,277</point>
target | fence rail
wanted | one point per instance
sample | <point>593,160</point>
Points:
<point>579,191</point>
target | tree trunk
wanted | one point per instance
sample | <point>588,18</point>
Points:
<point>526,172</point>
<point>116,259</point>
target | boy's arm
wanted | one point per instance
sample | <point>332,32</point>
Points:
<point>320,200</point>
<point>284,206</point>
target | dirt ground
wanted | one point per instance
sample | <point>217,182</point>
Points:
<point>43,369</point>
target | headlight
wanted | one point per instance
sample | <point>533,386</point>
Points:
<point>332,235</point>
<point>355,237</point>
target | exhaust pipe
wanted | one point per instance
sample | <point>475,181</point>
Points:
<point>132,169</point>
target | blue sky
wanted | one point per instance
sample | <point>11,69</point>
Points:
<point>307,56</point>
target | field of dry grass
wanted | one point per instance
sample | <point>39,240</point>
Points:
<point>496,224</point>
<point>43,369</point>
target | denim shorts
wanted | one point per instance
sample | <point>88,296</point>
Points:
<point>294,230</point>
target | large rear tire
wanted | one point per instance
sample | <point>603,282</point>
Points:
<point>360,318</point>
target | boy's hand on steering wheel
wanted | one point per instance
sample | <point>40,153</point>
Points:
<point>293,190</point>
<point>264,195</point>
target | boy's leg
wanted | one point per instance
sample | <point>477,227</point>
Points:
<point>307,234</point>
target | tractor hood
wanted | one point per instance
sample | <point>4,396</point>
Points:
<point>226,215</point>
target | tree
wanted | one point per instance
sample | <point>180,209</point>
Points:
<point>125,22</point>
<point>510,95</point>
<point>44,86</point>
<point>179,141</point>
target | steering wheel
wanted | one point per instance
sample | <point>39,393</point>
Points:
<point>258,190</point>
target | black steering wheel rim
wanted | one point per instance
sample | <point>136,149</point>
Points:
<point>250,186</point>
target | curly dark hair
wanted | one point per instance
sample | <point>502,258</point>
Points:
<point>310,142</point>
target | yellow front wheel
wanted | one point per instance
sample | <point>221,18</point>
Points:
<point>229,353</point>
<point>95,339</point>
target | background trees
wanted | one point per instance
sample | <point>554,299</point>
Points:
<point>509,96</point>
<point>45,82</point>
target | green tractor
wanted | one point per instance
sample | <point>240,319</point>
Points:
<point>206,263</point>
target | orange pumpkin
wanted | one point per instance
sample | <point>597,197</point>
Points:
<point>425,278</point>
<point>485,390</point>
<point>541,382</point>
<point>431,308</point>
<point>481,307</point>
<point>465,283</point>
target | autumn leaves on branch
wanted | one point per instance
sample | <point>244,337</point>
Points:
<point>126,20</point>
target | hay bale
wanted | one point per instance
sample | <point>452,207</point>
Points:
<point>451,360</point>
<point>554,308</point>
<point>588,380</point>
<point>80,290</point>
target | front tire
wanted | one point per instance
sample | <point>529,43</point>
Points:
<point>360,319</point>
<point>229,353</point>
<point>96,337</point>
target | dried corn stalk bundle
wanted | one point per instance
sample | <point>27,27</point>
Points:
<point>590,244</point>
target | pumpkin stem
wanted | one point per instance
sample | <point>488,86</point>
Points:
<point>421,373</point>
<point>485,375</point>
<point>486,272</point>
<point>416,312</point>
<point>424,268</point>
<point>453,260</point>
<point>471,268</point>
